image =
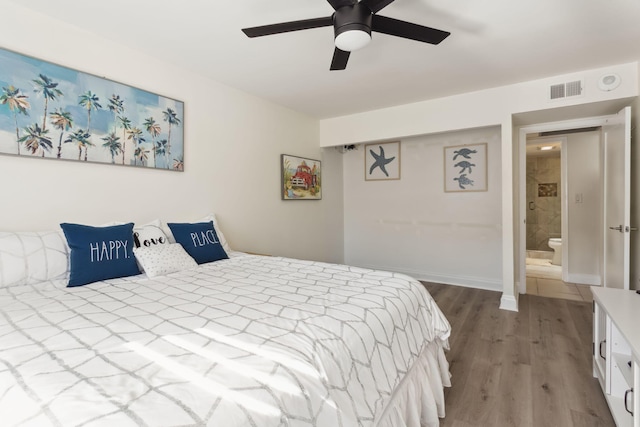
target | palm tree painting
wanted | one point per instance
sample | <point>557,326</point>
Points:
<point>170,117</point>
<point>81,138</point>
<point>35,139</point>
<point>116,106</point>
<point>62,121</point>
<point>49,90</point>
<point>112,143</point>
<point>42,104</point>
<point>160,149</point>
<point>125,123</point>
<point>135,135</point>
<point>17,103</point>
<point>154,130</point>
<point>142,154</point>
<point>89,101</point>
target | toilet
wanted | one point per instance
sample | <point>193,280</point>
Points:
<point>555,243</point>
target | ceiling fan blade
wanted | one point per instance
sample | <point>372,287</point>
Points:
<point>407,30</point>
<point>285,27</point>
<point>376,5</point>
<point>337,4</point>
<point>340,59</point>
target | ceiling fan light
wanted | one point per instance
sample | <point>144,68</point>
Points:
<point>351,40</point>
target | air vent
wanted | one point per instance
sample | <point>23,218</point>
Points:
<point>564,90</point>
<point>574,88</point>
<point>557,91</point>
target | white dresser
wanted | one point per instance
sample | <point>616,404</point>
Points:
<point>616,351</point>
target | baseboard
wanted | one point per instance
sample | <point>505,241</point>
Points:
<point>584,279</point>
<point>464,281</point>
<point>508,302</point>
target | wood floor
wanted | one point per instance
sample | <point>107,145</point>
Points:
<point>531,368</point>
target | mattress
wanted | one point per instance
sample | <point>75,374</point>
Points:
<point>248,341</point>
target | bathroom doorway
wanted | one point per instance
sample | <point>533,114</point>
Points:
<point>545,188</point>
<point>562,201</point>
<point>545,179</point>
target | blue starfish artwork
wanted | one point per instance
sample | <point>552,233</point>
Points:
<point>381,162</point>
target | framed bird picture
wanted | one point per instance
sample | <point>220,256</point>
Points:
<point>465,168</point>
<point>382,161</point>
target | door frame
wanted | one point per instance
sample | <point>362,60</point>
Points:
<point>522,185</point>
<point>623,116</point>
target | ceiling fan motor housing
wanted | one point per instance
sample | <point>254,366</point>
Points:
<point>352,18</point>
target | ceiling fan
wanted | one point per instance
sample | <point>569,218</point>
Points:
<point>353,22</point>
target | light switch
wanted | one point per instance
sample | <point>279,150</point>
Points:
<point>578,197</point>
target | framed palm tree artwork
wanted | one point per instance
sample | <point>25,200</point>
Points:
<point>50,111</point>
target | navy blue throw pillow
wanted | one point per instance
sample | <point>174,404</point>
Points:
<point>199,240</point>
<point>100,253</point>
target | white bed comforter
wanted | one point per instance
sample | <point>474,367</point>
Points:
<point>249,341</point>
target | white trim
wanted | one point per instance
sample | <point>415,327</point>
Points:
<point>522,182</point>
<point>508,302</point>
<point>521,256</point>
<point>583,279</point>
<point>464,281</point>
<point>564,210</point>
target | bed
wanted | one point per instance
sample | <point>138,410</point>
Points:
<point>245,341</point>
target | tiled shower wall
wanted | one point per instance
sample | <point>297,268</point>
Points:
<point>543,213</point>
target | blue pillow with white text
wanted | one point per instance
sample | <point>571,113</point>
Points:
<point>199,240</point>
<point>100,253</point>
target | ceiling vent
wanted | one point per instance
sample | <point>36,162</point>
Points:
<point>564,90</point>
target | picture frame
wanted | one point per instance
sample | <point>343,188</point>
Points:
<point>58,113</point>
<point>465,168</point>
<point>382,161</point>
<point>301,178</point>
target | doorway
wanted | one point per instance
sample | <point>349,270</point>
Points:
<point>575,195</point>
<point>547,219</point>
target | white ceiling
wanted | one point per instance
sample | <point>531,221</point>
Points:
<point>493,43</point>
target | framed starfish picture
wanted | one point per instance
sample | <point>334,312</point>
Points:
<point>465,168</point>
<point>382,161</point>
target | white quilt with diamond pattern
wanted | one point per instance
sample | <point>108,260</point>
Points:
<point>249,341</point>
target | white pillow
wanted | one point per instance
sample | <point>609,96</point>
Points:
<point>163,259</point>
<point>216,226</point>
<point>150,234</point>
<point>31,257</point>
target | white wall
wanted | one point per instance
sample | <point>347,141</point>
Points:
<point>233,143</point>
<point>474,109</point>
<point>584,234</point>
<point>490,107</point>
<point>411,225</point>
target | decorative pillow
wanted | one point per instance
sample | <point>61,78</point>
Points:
<point>163,259</point>
<point>199,240</point>
<point>31,257</point>
<point>150,234</point>
<point>216,227</point>
<point>100,253</point>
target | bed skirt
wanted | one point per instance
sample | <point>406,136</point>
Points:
<point>419,399</point>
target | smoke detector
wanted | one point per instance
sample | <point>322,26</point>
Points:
<point>609,82</point>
